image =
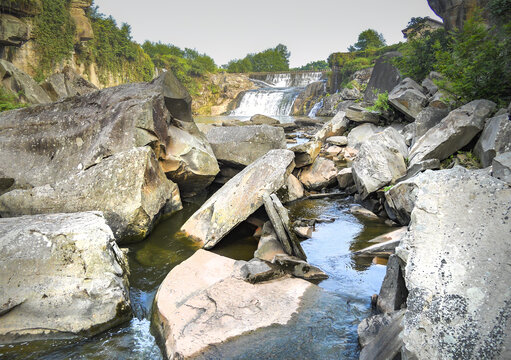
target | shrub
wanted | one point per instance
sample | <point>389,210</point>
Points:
<point>477,63</point>
<point>381,104</point>
<point>9,101</point>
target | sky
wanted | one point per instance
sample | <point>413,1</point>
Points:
<point>230,29</point>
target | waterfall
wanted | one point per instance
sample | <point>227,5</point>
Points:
<point>278,94</point>
<point>293,79</point>
<point>315,109</point>
<point>267,101</point>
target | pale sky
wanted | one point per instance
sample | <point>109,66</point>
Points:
<point>229,29</point>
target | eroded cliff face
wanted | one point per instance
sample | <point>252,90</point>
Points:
<point>455,12</point>
<point>219,93</point>
<point>17,40</point>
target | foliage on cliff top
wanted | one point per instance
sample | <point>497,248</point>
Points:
<point>269,60</point>
<point>54,33</point>
<point>315,65</point>
<point>475,61</point>
<point>114,51</point>
<point>188,65</point>
<point>368,39</point>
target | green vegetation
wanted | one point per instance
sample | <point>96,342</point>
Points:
<point>475,61</point>
<point>315,65</point>
<point>464,158</point>
<point>368,39</point>
<point>54,36</point>
<point>387,188</point>
<point>9,101</point>
<point>114,52</point>
<point>381,104</point>
<point>501,9</point>
<point>189,66</point>
<point>269,60</point>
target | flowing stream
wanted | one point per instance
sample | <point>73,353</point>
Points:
<point>325,328</point>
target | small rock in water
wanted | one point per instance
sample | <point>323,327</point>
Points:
<point>359,210</point>
<point>299,268</point>
<point>304,232</point>
<point>256,270</point>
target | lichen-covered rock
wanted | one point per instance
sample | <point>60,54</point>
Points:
<point>501,167</point>
<point>453,132</point>
<point>239,197</point>
<point>129,188</point>
<point>203,303</point>
<point>380,161</point>
<point>242,145</point>
<point>408,97</point>
<point>306,153</point>
<point>321,174</point>
<point>62,276</point>
<point>457,250</point>
<point>495,139</point>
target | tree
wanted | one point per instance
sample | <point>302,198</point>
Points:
<point>368,39</point>
<point>274,59</point>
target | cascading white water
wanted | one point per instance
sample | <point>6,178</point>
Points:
<point>267,101</point>
<point>293,79</point>
<point>279,95</point>
<point>315,109</point>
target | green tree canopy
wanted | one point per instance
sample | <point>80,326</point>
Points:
<point>274,59</point>
<point>368,39</point>
<point>315,65</point>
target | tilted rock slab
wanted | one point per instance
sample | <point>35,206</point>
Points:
<point>201,303</point>
<point>495,139</point>
<point>380,161</point>
<point>62,276</point>
<point>48,143</point>
<point>453,132</point>
<point>408,97</point>
<point>239,197</point>
<point>242,145</point>
<point>129,188</point>
<point>334,127</point>
<point>15,80</point>
<point>457,252</point>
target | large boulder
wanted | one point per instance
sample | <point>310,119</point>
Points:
<point>360,134</point>
<point>334,127</point>
<point>62,276</point>
<point>380,161</point>
<point>452,133</point>
<point>495,139</point>
<point>13,31</point>
<point>44,144</point>
<point>408,97</point>
<point>17,81</point>
<point>239,197</point>
<point>321,174</point>
<point>457,250</point>
<point>203,302</point>
<point>129,188</point>
<point>384,77</point>
<point>242,145</point>
<point>67,83</point>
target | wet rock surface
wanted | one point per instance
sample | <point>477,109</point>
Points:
<point>62,276</point>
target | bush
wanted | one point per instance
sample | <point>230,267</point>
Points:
<point>269,60</point>
<point>54,36</point>
<point>419,58</point>
<point>477,63</point>
<point>381,104</point>
<point>9,101</point>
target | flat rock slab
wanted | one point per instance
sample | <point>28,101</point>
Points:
<point>62,276</point>
<point>239,197</point>
<point>457,273</point>
<point>242,145</point>
<point>202,303</point>
<point>129,187</point>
